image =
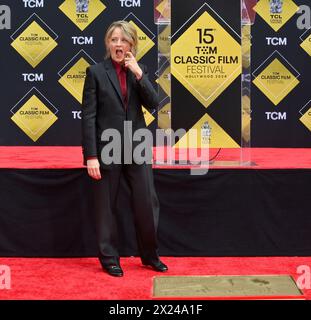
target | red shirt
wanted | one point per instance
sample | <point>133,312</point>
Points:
<point>121,73</point>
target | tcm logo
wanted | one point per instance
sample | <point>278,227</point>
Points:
<point>32,77</point>
<point>304,280</point>
<point>5,277</point>
<point>276,41</point>
<point>130,3</point>
<point>82,40</point>
<point>33,3</point>
<point>76,115</point>
<point>5,17</point>
<point>276,116</point>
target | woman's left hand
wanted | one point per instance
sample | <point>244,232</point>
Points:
<point>131,63</point>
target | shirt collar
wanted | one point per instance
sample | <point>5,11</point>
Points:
<point>118,67</point>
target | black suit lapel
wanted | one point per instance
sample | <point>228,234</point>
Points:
<point>112,75</point>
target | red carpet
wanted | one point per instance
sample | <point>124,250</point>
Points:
<point>71,157</point>
<point>40,279</point>
<point>63,279</point>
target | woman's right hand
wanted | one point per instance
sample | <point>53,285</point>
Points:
<point>93,168</point>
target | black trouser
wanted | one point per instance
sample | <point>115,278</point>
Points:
<point>145,206</point>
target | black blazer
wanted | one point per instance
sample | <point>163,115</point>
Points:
<point>103,108</point>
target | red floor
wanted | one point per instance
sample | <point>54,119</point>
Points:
<point>71,157</point>
<point>70,278</point>
<point>74,278</point>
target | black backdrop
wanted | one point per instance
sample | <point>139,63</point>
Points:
<point>66,130</point>
<point>290,132</point>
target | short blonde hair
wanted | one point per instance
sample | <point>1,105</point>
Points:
<point>129,32</point>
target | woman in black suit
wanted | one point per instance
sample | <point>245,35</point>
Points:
<point>114,92</point>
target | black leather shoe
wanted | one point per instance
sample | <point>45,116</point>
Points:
<point>113,270</point>
<point>157,266</point>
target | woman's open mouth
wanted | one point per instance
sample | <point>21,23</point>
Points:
<point>119,53</point>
